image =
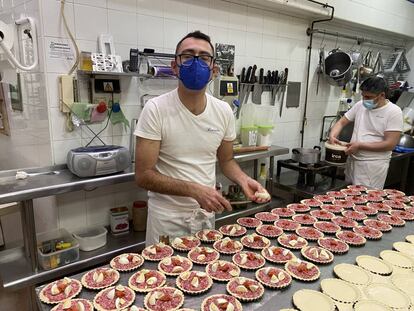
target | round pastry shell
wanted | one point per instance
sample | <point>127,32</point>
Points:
<point>175,273</point>
<point>83,280</point>
<point>226,252</point>
<point>142,290</point>
<point>200,262</point>
<point>340,290</point>
<point>78,299</point>
<point>263,253</point>
<point>243,299</point>
<point>274,286</point>
<point>312,300</point>
<point>238,306</point>
<point>405,248</point>
<point>313,278</point>
<point>149,293</point>
<point>370,305</point>
<point>397,259</point>
<point>352,274</point>
<point>246,267</point>
<point>264,239</point>
<point>180,249</point>
<point>226,279</point>
<point>100,308</point>
<point>233,235</point>
<point>198,292</point>
<point>374,265</point>
<point>141,258</point>
<point>351,242</point>
<point>44,298</point>
<point>331,256</point>
<point>154,259</point>
<point>388,295</point>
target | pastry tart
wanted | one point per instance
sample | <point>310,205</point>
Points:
<point>394,192</point>
<point>405,215</point>
<point>269,231</point>
<point>273,277</point>
<point>373,198</point>
<point>233,230</point>
<point>352,274</point>
<point>228,246</point>
<point>194,282</point>
<point>114,298</point>
<point>336,194</point>
<point>163,299</point>
<point>336,209</point>
<point>203,255</point>
<point>410,209</point>
<point>209,235</point>
<point>311,203</point>
<point>377,192</point>
<point>304,219</point>
<point>175,265</point>
<point>379,206</point>
<point>248,260</point>
<point>266,216</point>
<point>351,238</point>
<point>350,192</point>
<point>378,224</point>
<point>133,308</point>
<point>302,270</point>
<point>324,198</point>
<point>287,224</point>
<point>322,214</point>
<point>374,265</point>
<point>358,216</point>
<point>300,208</point>
<point>277,254</point>
<point>127,262</point>
<point>397,259</point>
<point>344,222</point>
<point>388,295</point>
<point>283,212</point>
<point>157,252</point>
<point>327,227</point>
<point>309,233</point>
<point>394,221</point>
<point>245,289</point>
<point>221,302</point>
<point>395,204</point>
<point>340,291</point>
<point>360,188</point>
<point>222,270</point>
<point>317,254</point>
<point>74,305</point>
<point>255,241</point>
<point>185,243</point>
<point>368,232</point>
<point>249,222</point>
<point>100,278</point>
<point>367,210</point>
<point>344,203</point>
<point>60,290</point>
<point>312,300</point>
<point>397,197</point>
<point>292,241</point>
<point>357,200</point>
<point>146,280</point>
<point>336,246</point>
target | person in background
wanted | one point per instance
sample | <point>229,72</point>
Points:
<point>180,135</point>
<point>378,125</point>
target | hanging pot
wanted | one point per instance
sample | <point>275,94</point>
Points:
<point>307,155</point>
<point>366,70</point>
<point>338,69</point>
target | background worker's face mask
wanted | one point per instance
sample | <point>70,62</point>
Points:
<point>370,103</point>
<point>195,73</point>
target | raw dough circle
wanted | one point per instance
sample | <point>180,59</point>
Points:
<point>404,283</point>
<point>340,290</point>
<point>405,248</point>
<point>369,305</point>
<point>410,238</point>
<point>374,265</point>
<point>388,295</point>
<point>312,300</point>
<point>352,274</point>
<point>397,259</point>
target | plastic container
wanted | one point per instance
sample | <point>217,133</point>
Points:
<point>335,154</point>
<point>90,238</point>
<point>265,120</point>
<point>139,215</point>
<point>248,135</point>
<point>119,220</point>
<point>52,260</point>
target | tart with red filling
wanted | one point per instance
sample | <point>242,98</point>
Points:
<point>114,298</point>
<point>411,198</point>
<point>317,254</point>
<point>60,290</point>
<point>372,198</point>
<point>287,224</point>
<point>324,198</point>
<point>203,255</point>
<point>245,289</point>
<point>248,260</point>
<point>344,203</point>
<point>269,231</point>
<point>344,222</point>
<point>311,203</point>
<point>327,227</point>
<point>74,305</point>
<point>309,233</point>
<point>277,254</point>
<point>266,216</point>
<point>292,241</point>
<point>378,224</point>
<point>185,243</point>
<point>395,204</point>
<point>336,194</point>
<point>304,219</point>
<point>358,216</point>
<point>322,214</point>
<point>350,192</point>
<point>255,241</point>
<point>351,238</point>
<point>368,232</point>
<point>249,222</point>
<point>127,262</point>
<point>302,270</point>
<point>360,188</point>
<point>336,246</point>
<point>299,208</point>
<point>410,209</point>
<point>233,230</point>
<point>134,308</point>
<point>397,197</point>
<point>146,280</point>
<point>283,212</point>
<point>394,221</point>
<point>356,200</point>
<point>100,278</point>
<point>194,282</point>
<point>175,265</point>
<point>379,206</point>
<point>394,192</point>
<point>221,302</point>
<point>336,209</point>
<point>209,235</point>
<point>156,252</point>
<point>164,298</point>
<point>273,277</point>
<point>228,246</point>
<point>377,192</point>
<point>222,270</point>
<point>366,210</point>
<point>405,215</point>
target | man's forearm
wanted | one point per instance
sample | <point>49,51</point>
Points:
<point>377,146</point>
<point>233,172</point>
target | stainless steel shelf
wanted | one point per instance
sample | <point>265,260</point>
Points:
<point>272,152</point>
<point>107,73</point>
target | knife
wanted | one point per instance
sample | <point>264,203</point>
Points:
<point>261,76</point>
<point>253,76</point>
<point>258,89</point>
<point>247,76</point>
<point>243,74</point>
<point>268,78</point>
<point>285,77</point>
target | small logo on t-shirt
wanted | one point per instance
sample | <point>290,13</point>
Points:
<point>212,129</point>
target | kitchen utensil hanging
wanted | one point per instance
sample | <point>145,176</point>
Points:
<point>366,70</point>
<point>338,69</point>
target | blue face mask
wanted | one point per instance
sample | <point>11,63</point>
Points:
<point>195,75</point>
<point>369,104</point>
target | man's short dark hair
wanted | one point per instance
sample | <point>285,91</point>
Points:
<point>197,35</point>
<point>374,85</point>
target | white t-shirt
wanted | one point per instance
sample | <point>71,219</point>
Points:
<point>189,142</point>
<point>371,125</point>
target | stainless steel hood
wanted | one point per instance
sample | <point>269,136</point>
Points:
<point>406,100</point>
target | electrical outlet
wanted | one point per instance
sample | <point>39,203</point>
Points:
<point>66,93</point>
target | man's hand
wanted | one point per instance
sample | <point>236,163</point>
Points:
<point>250,187</point>
<point>334,141</point>
<point>210,199</point>
<point>352,148</point>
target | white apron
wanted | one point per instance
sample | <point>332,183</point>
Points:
<point>370,173</point>
<point>175,223</point>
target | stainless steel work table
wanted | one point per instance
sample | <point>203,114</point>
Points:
<point>272,300</point>
<point>18,267</point>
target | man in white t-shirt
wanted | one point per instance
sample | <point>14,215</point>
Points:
<point>180,135</point>
<point>378,125</point>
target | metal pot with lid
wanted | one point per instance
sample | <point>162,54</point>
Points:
<point>307,155</point>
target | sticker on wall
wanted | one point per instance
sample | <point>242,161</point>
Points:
<point>60,50</point>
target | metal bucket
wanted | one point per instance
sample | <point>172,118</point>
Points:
<point>338,68</point>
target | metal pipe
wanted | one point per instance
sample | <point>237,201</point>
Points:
<point>324,5</point>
